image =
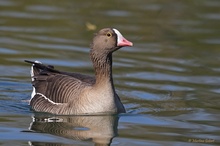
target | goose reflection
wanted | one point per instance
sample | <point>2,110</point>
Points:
<point>99,129</point>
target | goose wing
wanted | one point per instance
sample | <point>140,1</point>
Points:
<point>56,86</point>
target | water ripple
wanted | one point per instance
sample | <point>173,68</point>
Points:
<point>168,81</point>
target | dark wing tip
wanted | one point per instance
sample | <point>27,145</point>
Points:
<point>28,61</point>
<point>43,67</point>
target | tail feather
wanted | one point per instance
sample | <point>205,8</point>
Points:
<point>38,67</point>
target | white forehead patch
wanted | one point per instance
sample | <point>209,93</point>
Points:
<point>119,35</point>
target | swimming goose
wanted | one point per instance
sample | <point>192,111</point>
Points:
<point>65,93</point>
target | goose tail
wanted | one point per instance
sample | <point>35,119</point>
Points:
<point>37,67</point>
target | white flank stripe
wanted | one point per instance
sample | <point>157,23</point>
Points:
<point>32,70</point>
<point>33,93</point>
<point>47,98</point>
<point>32,73</point>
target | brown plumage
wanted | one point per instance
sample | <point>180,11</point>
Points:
<point>66,93</point>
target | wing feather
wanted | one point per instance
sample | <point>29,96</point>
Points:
<point>59,87</point>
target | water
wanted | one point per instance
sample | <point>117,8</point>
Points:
<point>169,81</point>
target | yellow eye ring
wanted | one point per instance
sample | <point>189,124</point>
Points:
<point>108,34</point>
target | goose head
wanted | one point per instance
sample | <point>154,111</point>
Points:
<point>109,40</point>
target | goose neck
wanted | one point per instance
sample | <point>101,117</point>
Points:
<point>102,63</point>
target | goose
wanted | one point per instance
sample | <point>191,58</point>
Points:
<point>65,93</point>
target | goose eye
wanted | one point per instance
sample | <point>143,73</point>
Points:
<point>109,34</point>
